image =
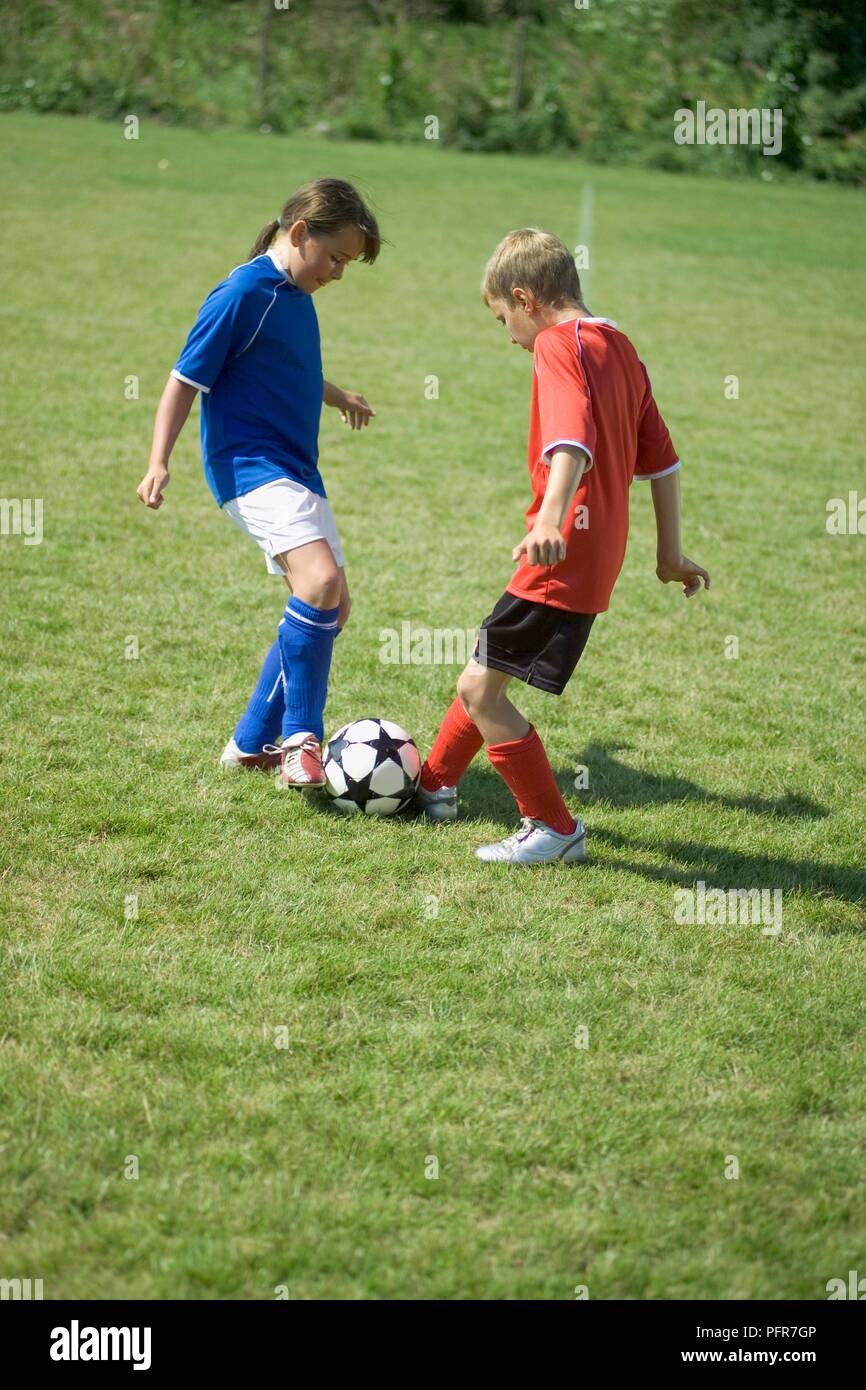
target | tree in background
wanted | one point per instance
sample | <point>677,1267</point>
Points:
<point>510,75</point>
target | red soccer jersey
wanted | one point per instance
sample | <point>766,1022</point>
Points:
<point>590,388</point>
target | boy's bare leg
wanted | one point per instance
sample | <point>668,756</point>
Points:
<point>482,693</point>
<point>479,712</point>
<point>517,754</point>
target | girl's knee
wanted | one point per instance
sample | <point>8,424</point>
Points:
<point>314,575</point>
<point>321,588</point>
<point>345,607</point>
<point>332,591</point>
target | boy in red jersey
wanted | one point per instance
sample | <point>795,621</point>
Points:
<point>594,426</point>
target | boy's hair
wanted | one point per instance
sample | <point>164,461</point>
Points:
<point>327,206</point>
<point>533,260</point>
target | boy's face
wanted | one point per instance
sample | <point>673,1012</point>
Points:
<point>314,261</point>
<point>519,318</point>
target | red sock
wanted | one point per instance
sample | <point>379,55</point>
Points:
<point>523,765</point>
<point>457,742</point>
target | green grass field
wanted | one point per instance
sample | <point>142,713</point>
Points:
<point>431,1004</point>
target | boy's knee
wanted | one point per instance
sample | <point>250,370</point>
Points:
<point>471,690</point>
<point>464,694</point>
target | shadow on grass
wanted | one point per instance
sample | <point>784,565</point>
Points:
<point>484,794</point>
<point>722,867</point>
<point>614,781</point>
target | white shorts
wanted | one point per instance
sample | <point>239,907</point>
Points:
<point>283,514</point>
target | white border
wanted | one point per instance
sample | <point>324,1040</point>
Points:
<point>311,622</point>
<point>557,443</point>
<point>651,477</point>
<point>272,257</point>
<point>189,381</point>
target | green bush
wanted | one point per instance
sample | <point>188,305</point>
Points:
<point>605,81</point>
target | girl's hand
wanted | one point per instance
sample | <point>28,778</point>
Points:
<point>355,411</point>
<point>152,486</point>
<point>543,546</point>
<point>683,571</point>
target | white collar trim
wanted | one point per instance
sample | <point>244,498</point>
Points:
<point>272,257</point>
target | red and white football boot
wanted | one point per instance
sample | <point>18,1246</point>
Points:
<point>301,763</point>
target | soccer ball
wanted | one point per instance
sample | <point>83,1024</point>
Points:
<point>372,765</point>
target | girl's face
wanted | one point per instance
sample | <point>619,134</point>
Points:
<point>314,261</point>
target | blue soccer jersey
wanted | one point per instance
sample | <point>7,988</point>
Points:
<point>254,354</point>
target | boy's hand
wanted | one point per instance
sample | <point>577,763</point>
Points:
<point>355,411</point>
<point>542,546</point>
<point>683,571</point>
<point>152,486</point>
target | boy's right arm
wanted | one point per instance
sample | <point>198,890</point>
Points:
<point>671,564</point>
<point>174,406</point>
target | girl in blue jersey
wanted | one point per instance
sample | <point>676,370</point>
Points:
<point>254,354</point>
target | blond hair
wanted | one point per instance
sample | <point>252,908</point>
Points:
<point>532,260</point>
<point>327,206</point>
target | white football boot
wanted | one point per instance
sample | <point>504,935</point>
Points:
<point>536,843</point>
<point>440,805</point>
<point>232,757</point>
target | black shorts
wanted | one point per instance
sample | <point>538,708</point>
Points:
<point>533,641</point>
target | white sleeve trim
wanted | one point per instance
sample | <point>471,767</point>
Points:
<point>651,477</point>
<point>179,376</point>
<point>558,443</point>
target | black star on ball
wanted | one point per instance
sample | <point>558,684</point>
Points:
<point>359,792</point>
<point>335,748</point>
<point>386,746</point>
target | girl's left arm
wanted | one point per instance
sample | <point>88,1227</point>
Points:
<point>354,409</point>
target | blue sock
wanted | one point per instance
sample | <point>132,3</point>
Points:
<point>262,719</point>
<point>306,637</point>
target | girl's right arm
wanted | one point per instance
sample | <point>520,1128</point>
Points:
<point>174,406</point>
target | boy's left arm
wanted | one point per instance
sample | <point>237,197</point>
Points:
<point>657,460</point>
<point>354,409</point>
<point>672,566</point>
<point>544,544</point>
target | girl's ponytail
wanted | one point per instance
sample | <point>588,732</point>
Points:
<point>263,240</point>
<point>327,206</point>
